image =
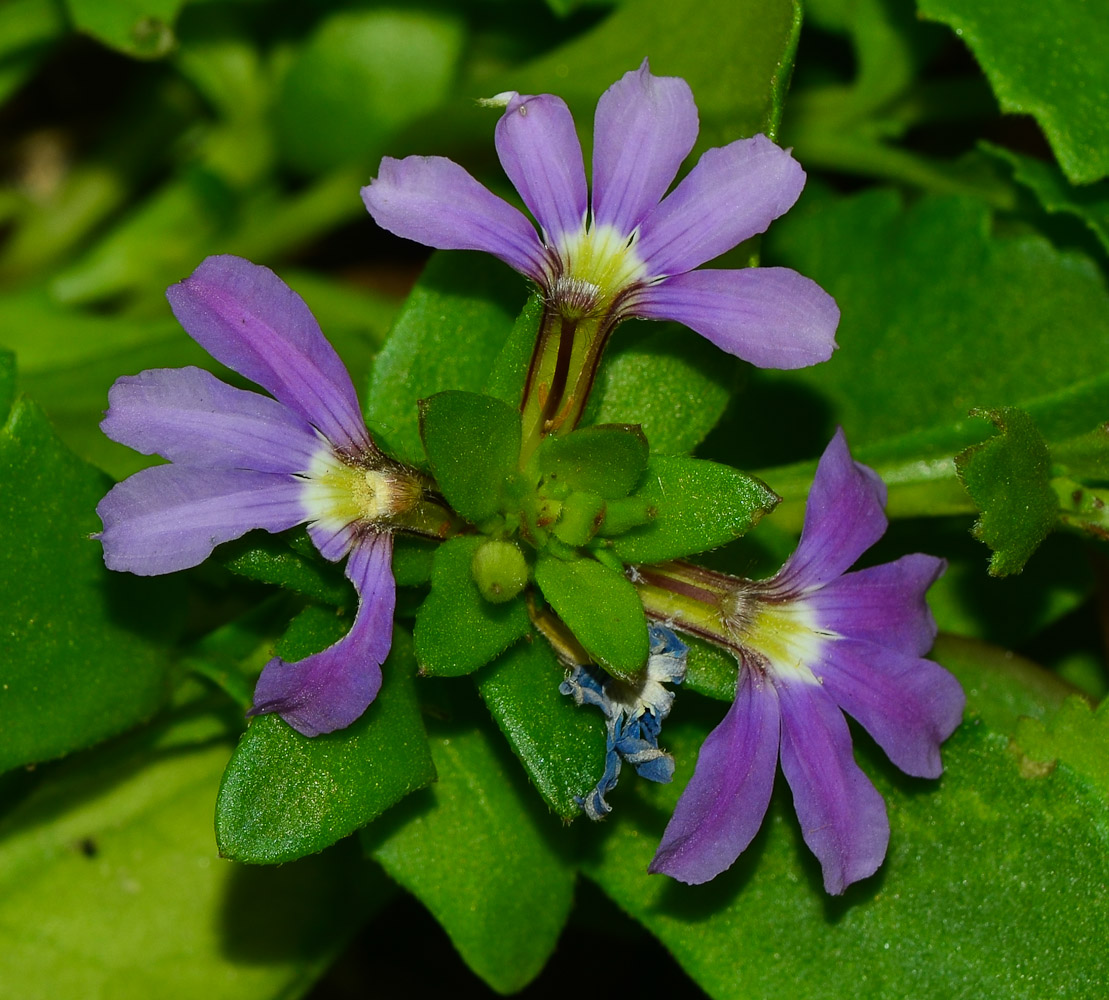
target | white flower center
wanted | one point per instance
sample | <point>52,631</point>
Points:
<point>785,634</point>
<point>337,493</point>
<point>597,265</point>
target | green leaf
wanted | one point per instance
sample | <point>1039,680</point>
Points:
<point>473,445</point>
<point>285,795</point>
<point>916,281</point>
<point>413,558</point>
<point>601,607</point>
<point>505,907</point>
<point>709,670</point>
<point>458,630</point>
<point>269,559</point>
<point>79,644</point>
<point>1055,195</point>
<point>140,28</point>
<point>673,383</point>
<point>1047,61</point>
<point>562,747</point>
<point>510,368</point>
<point>447,336</point>
<point>1084,456</point>
<point>1009,478</point>
<point>605,460</point>
<point>1075,738</point>
<point>400,63</point>
<point>113,853</point>
<point>699,505</point>
<point>988,846</point>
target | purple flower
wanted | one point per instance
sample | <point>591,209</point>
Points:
<point>240,460</point>
<point>635,252</point>
<point>813,640</point>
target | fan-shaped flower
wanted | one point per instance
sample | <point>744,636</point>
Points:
<point>810,641</point>
<point>241,460</point>
<point>633,252</point>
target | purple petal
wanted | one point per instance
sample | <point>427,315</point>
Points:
<point>724,803</point>
<point>332,540</point>
<point>909,705</point>
<point>644,127</point>
<point>189,416</point>
<point>844,516</point>
<point>843,818</point>
<point>433,201</point>
<point>539,150</point>
<point>733,193</point>
<point>245,316</point>
<point>883,604</point>
<point>770,316</point>
<point>332,688</point>
<point>170,517</point>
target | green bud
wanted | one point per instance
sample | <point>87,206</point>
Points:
<point>499,570</point>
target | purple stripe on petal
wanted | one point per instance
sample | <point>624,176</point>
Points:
<point>770,316</point>
<point>189,416</point>
<point>433,201</point>
<point>724,803</point>
<point>909,705</point>
<point>733,193</point>
<point>843,818</point>
<point>844,516</point>
<point>539,150</point>
<point>170,517</point>
<point>245,316</point>
<point>644,127</point>
<point>883,604</point>
<point>331,689</point>
<point>332,540</point>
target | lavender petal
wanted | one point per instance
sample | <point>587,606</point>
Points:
<point>733,193</point>
<point>331,689</point>
<point>245,316</point>
<point>843,818</point>
<point>882,604</point>
<point>844,516</point>
<point>909,705</point>
<point>770,316</point>
<point>539,150</point>
<point>170,517</point>
<point>189,416</point>
<point>724,803</point>
<point>644,128</point>
<point>433,201</point>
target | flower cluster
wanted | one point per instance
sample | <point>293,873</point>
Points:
<point>810,641</point>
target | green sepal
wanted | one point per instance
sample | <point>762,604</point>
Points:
<point>561,747</point>
<point>458,630</point>
<point>580,517</point>
<point>601,607</point>
<point>473,445</point>
<point>624,514</point>
<point>698,505</point>
<point>1009,479</point>
<point>608,460</point>
<point>285,795</point>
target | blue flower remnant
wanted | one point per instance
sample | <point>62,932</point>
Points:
<point>241,460</point>
<point>633,713</point>
<point>811,641</point>
<point>634,249</point>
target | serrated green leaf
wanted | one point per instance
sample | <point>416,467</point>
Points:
<point>984,847</point>
<point>284,795</point>
<point>78,644</point>
<point>1076,737</point>
<point>473,445</point>
<point>1047,62</point>
<point>505,907</point>
<point>1085,456</point>
<point>113,852</point>
<point>605,460</point>
<point>458,630</point>
<point>601,607</point>
<point>140,28</point>
<point>673,383</point>
<point>269,559</point>
<point>699,505</point>
<point>561,747</point>
<point>1009,479</point>
<point>400,62</point>
<point>446,336</point>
